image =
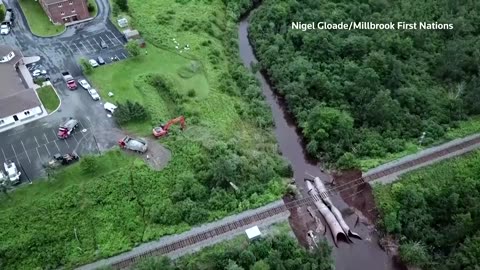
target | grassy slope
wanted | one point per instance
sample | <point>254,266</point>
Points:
<point>37,19</point>
<point>49,98</point>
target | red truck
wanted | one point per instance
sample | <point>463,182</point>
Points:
<point>71,84</point>
<point>67,128</point>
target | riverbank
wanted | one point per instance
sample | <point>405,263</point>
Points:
<point>363,254</point>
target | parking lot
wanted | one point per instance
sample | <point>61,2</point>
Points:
<point>90,46</point>
<point>32,150</point>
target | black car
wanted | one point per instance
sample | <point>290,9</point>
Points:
<point>100,60</point>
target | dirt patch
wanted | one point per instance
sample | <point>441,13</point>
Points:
<point>359,196</point>
<point>300,221</point>
<point>157,156</point>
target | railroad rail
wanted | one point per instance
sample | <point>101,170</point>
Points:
<point>191,240</point>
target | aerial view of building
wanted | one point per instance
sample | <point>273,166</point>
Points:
<point>65,11</point>
<point>18,101</point>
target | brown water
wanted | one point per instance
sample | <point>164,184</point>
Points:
<point>362,254</point>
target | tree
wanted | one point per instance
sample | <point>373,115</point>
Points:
<point>414,254</point>
<point>232,265</point>
<point>326,127</point>
<point>86,67</point>
<point>347,161</point>
<point>122,5</point>
<point>133,48</point>
<point>260,265</point>
<point>246,259</point>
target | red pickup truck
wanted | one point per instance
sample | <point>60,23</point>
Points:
<point>71,84</point>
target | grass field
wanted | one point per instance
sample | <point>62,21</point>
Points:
<point>37,19</point>
<point>49,98</point>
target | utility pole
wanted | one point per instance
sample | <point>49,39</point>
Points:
<point>96,144</point>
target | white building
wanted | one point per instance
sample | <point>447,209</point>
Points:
<point>19,103</point>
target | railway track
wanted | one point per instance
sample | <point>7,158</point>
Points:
<point>220,230</point>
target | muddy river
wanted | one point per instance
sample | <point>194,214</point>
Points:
<point>362,254</point>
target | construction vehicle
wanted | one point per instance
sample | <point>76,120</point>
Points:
<point>71,84</point>
<point>66,159</point>
<point>67,128</point>
<point>162,130</point>
<point>137,145</point>
<point>13,175</point>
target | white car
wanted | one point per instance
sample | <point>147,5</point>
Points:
<point>36,72</point>
<point>12,172</point>
<point>4,29</point>
<point>84,84</point>
<point>109,107</point>
<point>93,62</point>
<point>93,93</point>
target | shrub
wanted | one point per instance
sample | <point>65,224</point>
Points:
<point>129,111</point>
<point>90,7</point>
<point>86,67</point>
<point>122,5</point>
<point>133,48</point>
<point>191,93</point>
<point>89,165</point>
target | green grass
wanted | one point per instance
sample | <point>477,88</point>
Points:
<point>38,21</point>
<point>94,4</point>
<point>49,98</point>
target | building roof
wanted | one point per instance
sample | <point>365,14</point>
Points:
<point>15,96</point>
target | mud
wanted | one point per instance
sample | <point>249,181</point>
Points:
<point>358,196</point>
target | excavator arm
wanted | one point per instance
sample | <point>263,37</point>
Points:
<point>163,130</point>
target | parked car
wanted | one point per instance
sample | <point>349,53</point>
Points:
<point>100,61</point>
<point>93,63</point>
<point>84,84</point>
<point>103,44</point>
<point>93,93</point>
<point>4,29</point>
<point>109,107</point>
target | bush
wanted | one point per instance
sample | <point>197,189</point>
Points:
<point>90,7</point>
<point>133,48</point>
<point>86,67</point>
<point>191,93</point>
<point>122,5</point>
<point>89,165</point>
<point>115,9</point>
<point>129,111</point>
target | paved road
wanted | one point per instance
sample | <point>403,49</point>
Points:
<point>32,144</point>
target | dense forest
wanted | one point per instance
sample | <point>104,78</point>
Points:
<point>367,92</point>
<point>274,252</point>
<point>435,213</point>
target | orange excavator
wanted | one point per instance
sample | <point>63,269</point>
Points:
<point>162,130</point>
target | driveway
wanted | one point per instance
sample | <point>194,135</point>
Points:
<point>33,144</point>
